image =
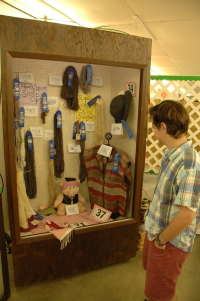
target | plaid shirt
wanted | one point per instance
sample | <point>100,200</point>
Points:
<point>178,183</point>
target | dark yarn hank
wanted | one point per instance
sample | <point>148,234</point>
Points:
<point>70,94</point>
<point>82,168</point>
<point>29,172</point>
<point>59,157</point>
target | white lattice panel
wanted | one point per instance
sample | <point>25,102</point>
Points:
<point>188,92</point>
<point>114,79</point>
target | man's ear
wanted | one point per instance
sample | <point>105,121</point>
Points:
<point>164,127</point>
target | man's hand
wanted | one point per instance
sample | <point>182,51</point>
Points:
<point>157,246</point>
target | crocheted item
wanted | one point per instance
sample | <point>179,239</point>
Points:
<point>119,106</point>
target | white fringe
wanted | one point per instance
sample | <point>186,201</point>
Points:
<point>66,239</point>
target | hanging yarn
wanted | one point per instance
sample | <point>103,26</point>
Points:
<point>30,177</point>
<point>59,157</point>
<point>83,80</point>
<point>21,160</point>
<point>70,93</point>
<point>99,131</point>
<point>24,207</point>
<point>82,168</point>
<point>51,188</point>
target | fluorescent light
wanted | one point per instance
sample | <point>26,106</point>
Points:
<point>43,9</point>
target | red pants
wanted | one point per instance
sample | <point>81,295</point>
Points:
<point>163,266</point>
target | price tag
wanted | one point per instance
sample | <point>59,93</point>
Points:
<point>78,225</point>
<point>131,87</point>
<point>100,214</point>
<point>72,209</point>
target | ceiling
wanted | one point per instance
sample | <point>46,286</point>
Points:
<point>173,25</point>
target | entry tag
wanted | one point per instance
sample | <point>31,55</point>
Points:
<point>51,149</point>
<point>78,225</point>
<point>128,130</point>
<point>44,102</point>
<point>78,137</point>
<point>83,132</point>
<point>29,141</point>
<point>16,88</point>
<point>89,74</point>
<point>72,209</point>
<point>100,214</point>
<point>59,119</point>
<point>105,150</point>
<point>93,100</point>
<point>70,77</point>
<point>116,163</point>
<point>117,129</point>
<point>21,117</point>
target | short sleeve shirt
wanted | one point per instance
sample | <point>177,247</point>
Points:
<point>178,184</point>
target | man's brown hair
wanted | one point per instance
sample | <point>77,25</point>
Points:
<point>173,114</point>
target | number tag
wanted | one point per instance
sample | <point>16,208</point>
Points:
<point>131,87</point>
<point>100,214</point>
<point>78,225</point>
<point>72,209</point>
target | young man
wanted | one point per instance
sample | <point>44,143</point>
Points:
<point>173,216</point>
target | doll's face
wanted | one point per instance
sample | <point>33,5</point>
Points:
<point>71,190</point>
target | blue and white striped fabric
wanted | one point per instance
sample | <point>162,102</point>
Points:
<point>178,183</point>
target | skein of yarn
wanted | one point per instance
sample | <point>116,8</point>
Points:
<point>59,156</point>
<point>99,131</point>
<point>83,80</point>
<point>30,174</point>
<point>70,93</point>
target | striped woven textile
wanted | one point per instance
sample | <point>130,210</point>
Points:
<point>107,189</point>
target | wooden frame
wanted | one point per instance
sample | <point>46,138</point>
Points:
<point>115,241</point>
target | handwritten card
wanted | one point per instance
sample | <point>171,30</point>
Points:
<point>37,132</point>
<point>48,134</point>
<point>74,148</point>
<point>105,150</point>
<point>55,80</point>
<point>117,129</point>
<point>72,209</point>
<point>85,113</point>
<point>89,126</point>
<point>25,77</point>
<point>97,81</point>
<point>53,101</point>
<point>31,111</point>
<point>31,94</point>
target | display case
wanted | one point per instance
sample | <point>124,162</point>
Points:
<point>119,62</point>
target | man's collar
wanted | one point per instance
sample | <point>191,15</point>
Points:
<point>172,154</point>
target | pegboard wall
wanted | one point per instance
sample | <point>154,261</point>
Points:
<point>188,93</point>
<point>114,79</point>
